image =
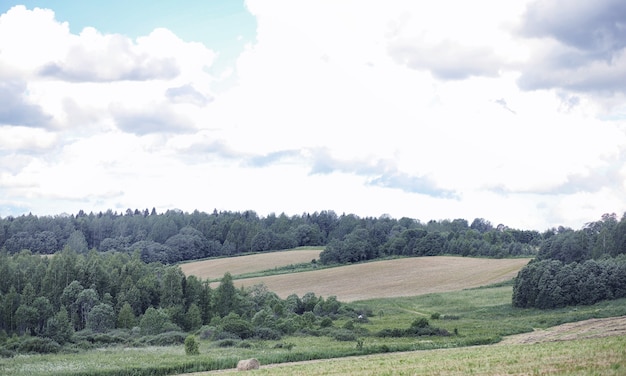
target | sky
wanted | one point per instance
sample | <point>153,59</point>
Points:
<point>513,111</point>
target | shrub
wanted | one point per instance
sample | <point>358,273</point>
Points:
<point>166,339</point>
<point>236,325</point>
<point>206,332</point>
<point>267,334</point>
<point>191,346</point>
<point>435,316</point>
<point>38,345</point>
<point>6,353</point>
<point>421,322</point>
<point>344,335</point>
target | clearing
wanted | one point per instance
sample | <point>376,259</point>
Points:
<point>390,278</point>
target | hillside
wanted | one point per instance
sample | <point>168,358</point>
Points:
<point>382,279</point>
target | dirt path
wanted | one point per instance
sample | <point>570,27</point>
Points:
<point>592,328</point>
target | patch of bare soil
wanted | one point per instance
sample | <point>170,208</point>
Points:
<point>592,328</point>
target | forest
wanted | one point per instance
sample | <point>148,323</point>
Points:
<point>82,301</point>
<point>576,267</point>
<point>176,236</point>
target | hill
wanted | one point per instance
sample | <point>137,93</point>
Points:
<point>378,279</point>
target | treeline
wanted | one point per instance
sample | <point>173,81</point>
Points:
<point>175,236</point>
<point>576,267</point>
<point>95,299</point>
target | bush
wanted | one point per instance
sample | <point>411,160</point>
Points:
<point>267,334</point>
<point>421,322</point>
<point>38,345</point>
<point>326,322</point>
<point>344,335</point>
<point>191,346</point>
<point>166,339</point>
<point>435,316</point>
<point>206,332</point>
<point>6,353</point>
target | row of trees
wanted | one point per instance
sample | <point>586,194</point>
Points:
<point>576,267</point>
<point>55,297</point>
<point>176,236</point>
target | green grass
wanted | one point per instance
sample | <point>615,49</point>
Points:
<point>480,316</point>
<point>600,356</point>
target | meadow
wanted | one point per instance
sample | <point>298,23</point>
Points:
<point>480,316</point>
<point>469,298</point>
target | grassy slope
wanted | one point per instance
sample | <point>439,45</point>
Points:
<point>598,356</point>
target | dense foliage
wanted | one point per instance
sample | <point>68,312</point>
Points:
<point>576,267</point>
<point>95,299</point>
<point>175,236</point>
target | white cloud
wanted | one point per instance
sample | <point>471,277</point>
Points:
<point>408,108</point>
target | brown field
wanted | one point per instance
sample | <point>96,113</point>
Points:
<point>391,278</point>
<point>216,268</point>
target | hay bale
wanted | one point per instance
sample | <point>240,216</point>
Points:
<point>248,364</point>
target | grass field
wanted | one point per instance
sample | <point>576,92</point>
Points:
<point>391,278</point>
<point>216,268</point>
<point>598,356</point>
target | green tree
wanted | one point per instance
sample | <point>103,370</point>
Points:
<point>193,317</point>
<point>27,319</point>
<point>59,328</point>
<point>101,318</point>
<point>44,312</point>
<point>172,287</point>
<point>155,321</point>
<point>126,317</point>
<point>77,242</point>
<point>226,299</point>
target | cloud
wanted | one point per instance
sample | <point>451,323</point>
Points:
<point>446,60</point>
<point>583,45</point>
<point>111,57</point>
<point>17,110</point>
<point>598,26</point>
<point>187,94</point>
<point>26,140</point>
<point>152,119</point>
<point>272,158</point>
<point>378,172</point>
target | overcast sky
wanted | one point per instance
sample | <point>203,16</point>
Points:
<point>512,111</point>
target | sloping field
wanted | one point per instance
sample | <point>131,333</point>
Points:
<point>393,278</point>
<point>216,268</point>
